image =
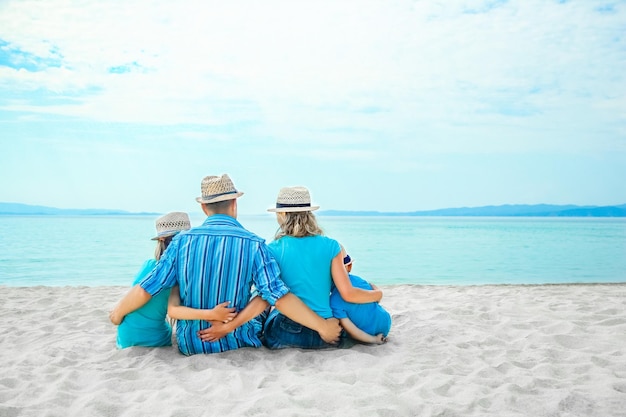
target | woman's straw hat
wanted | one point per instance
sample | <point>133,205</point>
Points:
<point>292,199</point>
<point>171,223</point>
<point>215,189</point>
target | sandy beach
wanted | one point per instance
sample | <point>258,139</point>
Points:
<point>557,350</point>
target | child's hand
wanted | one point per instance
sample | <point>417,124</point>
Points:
<point>380,339</point>
<point>223,313</point>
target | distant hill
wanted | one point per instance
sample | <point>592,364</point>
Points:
<point>26,209</point>
<point>507,210</point>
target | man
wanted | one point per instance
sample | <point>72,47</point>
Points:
<point>218,262</point>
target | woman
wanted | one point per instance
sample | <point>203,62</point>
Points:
<point>310,264</point>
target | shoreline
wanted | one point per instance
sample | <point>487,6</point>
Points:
<point>382,286</point>
<point>480,350</point>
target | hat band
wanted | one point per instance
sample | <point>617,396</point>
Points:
<point>212,196</point>
<point>282,205</point>
<point>168,232</point>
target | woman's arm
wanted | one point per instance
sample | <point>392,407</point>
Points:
<point>344,286</point>
<point>360,335</point>
<point>220,312</point>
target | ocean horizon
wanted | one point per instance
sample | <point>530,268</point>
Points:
<point>107,250</point>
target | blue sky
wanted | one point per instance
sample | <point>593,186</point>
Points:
<point>373,105</point>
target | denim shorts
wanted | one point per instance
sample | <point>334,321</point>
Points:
<point>282,332</point>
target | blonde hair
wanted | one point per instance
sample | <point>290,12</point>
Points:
<point>162,244</point>
<point>297,224</point>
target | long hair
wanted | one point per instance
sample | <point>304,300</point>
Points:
<point>298,224</point>
<point>161,246</point>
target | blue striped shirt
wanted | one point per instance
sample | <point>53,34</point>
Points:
<point>213,263</point>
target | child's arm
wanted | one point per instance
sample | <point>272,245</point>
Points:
<point>218,330</point>
<point>360,335</point>
<point>219,313</point>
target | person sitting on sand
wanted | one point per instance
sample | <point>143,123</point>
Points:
<point>367,323</point>
<point>148,326</point>
<point>310,264</point>
<point>216,262</point>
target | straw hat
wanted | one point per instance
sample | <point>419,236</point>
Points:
<point>171,223</point>
<point>215,189</point>
<point>291,199</point>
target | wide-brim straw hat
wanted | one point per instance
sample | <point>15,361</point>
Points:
<point>215,189</point>
<point>293,199</point>
<point>171,224</point>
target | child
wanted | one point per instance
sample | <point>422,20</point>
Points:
<point>367,323</point>
<point>148,325</point>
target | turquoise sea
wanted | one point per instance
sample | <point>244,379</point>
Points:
<point>108,250</point>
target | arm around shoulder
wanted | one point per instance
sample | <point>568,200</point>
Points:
<point>136,298</point>
<point>348,292</point>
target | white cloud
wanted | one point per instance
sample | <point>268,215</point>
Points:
<point>392,85</point>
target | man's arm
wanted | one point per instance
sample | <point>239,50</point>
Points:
<point>291,306</point>
<point>218,330</point>
<point>136,298</point>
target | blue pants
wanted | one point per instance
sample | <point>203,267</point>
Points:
<point>282,332</point>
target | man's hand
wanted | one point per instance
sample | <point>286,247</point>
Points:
<point>133,300</point>
<point>331,331</point>
<point>216,331</point>
<point>115,317</point>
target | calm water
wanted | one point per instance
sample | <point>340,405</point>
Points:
<point>108,250</point>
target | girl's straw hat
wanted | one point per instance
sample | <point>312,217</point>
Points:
<point>292,199</point>
<point>215,189</point>
<point>171,223</point>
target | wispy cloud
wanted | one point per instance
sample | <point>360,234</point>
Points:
<point>401,86</point>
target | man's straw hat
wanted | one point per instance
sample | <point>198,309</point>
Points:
<point>171,223</point>
<point>215,189</point>
<point>292,199</point>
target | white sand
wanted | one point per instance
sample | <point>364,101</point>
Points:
<point>453,351</point>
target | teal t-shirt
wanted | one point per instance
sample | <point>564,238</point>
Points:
<point>146,326</point>
<point>305,268</point>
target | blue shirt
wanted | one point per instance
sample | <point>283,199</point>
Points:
<point>372,318</point>
<point>305,264</point>
<point>213,263</point>
<point>146,326</point>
